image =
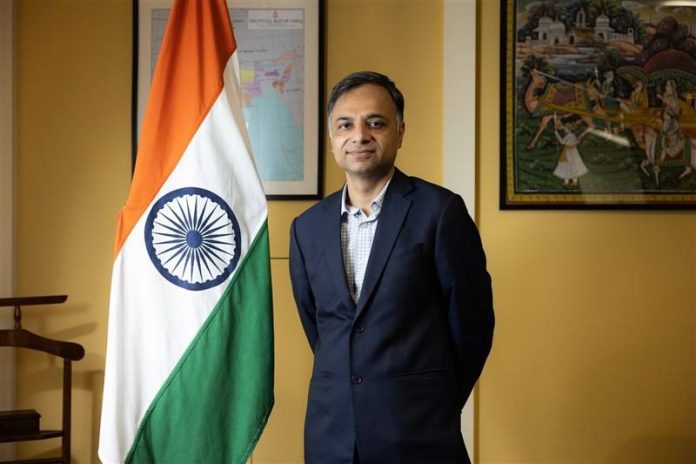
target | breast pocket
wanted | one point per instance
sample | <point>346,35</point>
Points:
<point>407,250</point>
<point>409,275</point>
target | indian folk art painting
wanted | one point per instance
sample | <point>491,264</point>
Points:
<point>599,107</point>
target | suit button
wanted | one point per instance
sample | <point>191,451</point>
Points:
<point>356,379</point>
<point>359,328</point>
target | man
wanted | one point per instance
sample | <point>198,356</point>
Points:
<point>390,282</point>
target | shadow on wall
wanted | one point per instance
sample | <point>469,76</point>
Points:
<point>94,382</point>
<point>661,449</point>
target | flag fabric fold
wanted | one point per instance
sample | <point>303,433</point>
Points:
<point>189,363</point>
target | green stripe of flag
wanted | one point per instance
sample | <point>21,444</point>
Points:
<point>215,404</point>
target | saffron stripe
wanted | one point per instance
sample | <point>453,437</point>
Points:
<point>179,100</point>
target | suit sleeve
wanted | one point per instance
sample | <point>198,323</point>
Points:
<point>301,289</point>
<point>466,286</point>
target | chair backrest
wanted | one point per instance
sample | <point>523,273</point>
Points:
<point>21,338</point>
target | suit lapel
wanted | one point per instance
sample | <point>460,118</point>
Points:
<point>391,218</point>
<point>332,248</point>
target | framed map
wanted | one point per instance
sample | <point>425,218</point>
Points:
<point>598,106</point>
<point>279,45</point>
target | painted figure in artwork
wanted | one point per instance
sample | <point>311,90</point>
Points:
<point>570,166</point>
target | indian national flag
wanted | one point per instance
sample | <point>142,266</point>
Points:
<point>189,362</point>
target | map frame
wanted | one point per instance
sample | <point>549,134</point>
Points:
<point>309,186</point>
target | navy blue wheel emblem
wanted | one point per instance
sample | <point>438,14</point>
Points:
<point>193,239</point>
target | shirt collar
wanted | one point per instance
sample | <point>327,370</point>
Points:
<point>375,205</point>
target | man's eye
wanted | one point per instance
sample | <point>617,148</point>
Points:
<point>343,125</point>
<point>376,124</point>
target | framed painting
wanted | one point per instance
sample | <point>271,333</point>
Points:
<point>279,44</point>
<point>598,104</point>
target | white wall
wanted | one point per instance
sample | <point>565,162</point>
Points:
<point>459,108</point>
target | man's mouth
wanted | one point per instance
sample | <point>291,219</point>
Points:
<point>361,153</point>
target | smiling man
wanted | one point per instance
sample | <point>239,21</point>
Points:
<point>390,281</point>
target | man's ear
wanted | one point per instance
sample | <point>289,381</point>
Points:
<point>402,130</point>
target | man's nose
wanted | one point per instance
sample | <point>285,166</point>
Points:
<point>361,133</point>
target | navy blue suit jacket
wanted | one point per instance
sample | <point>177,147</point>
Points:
<point>392,372</point>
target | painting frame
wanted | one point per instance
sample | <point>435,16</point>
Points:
<point>303,178</point>
<point>549,161</point>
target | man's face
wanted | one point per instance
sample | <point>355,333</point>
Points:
<point>365,132</point>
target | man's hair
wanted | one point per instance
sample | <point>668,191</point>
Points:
<point>357,79</point>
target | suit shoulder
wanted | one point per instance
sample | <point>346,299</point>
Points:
<point>317,212</point>
<point>432,191</point>
<point>430,199</point>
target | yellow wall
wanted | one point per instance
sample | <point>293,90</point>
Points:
<point>74,169</point>
<point>594,357</point>
<point>595,350</point>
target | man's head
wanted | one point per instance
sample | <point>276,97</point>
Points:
<point>366,125</point>
<point>357,79</point>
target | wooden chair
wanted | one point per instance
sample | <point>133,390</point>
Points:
<point>23,425</point>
